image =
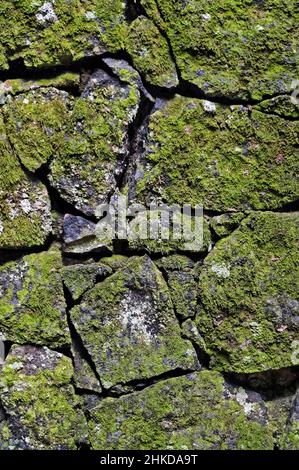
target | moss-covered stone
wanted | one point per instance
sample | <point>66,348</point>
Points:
<point>290,438</point>
<point>232,48</point>
<point>225,158</point>
<point>129,328</point>
<point>78,278</point>
<point>42,409</point>
<point>150,53</point>
<point>84,375</point>
<point>16,86</point>
<point>281,106</point>
<point>224,224</point>
<point>96,143</point>
<point>35,124</point>
<point>45,33</point>
<point>249,306</point>
<point>32,306</point>
<point>198,411</point>
<point>80,235</point>
<point>25,216</point>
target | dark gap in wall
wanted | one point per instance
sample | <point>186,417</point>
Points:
<point>14,254</point>
<point>139,384</point>
<point>270,384</point>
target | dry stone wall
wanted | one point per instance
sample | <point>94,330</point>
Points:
<point>113,343</point>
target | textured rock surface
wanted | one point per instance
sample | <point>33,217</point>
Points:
<point>32,304</point>
<point>198,411</point>
<point>42,409</point>
<point>231,48</point>
<point>129,328</point>
<point>226,158</point>
<point>248,312</point>
<point>124,325</point>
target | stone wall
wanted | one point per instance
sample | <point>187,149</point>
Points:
<point>110,343</point>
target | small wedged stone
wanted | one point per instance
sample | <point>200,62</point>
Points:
<point>231,48</point>
<point>225,224</point>
<point>84,376</point>
<point>224,158</point>
<point>128,326</point>
<point>194,412</point>
<point>290,439</point>
<point>248,313</point>
<point>96,143</point>
<point>32,304</point>
<point>80,236</point>
<point>42,409</point>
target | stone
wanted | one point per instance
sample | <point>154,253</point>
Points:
<point>35,124</point>
<point>290,439</point>
<point>47,33</point>
<point>80,236</point>
<point>79,278</point>
<point>194,412</point>
<point>231,49</point>
<point>32,305</point>
<point>248,313</point>
<point>96,144</point>
<point>225,224</point>
<point>233,159</point>
<point>84,375</point>
<point>128,326</point>
<point>150,53</point>
<point>25,212</point>
<point>42,409</point>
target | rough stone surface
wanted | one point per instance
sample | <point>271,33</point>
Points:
<point>96,143</point>
<point>129,328</point>
<point>124,325</point>
<point>225,158</point>
<point>198,411</point>
<point>42,409</point>
<point>231,48</point>
<point>248,312</point>
<point>25,214</point>
<point>32,304</point>
<point>58,32</point>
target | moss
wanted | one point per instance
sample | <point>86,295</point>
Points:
<point>25,217</point>
<point>232,48</point>
<point>150,53</point>
<point>81,277</point>
<point>225,158</point>
<point>115,262</point>
<point>39,399</point>
<point>32,306</point>
<point>129,328</point>
<point>248,313</point>
<point>191,412</point>
<point>21,85</point>
<point>35,123</point>
<point>224,224</point>
<point>96,142</point>
<point>280,106</point>
<point>65,32</point>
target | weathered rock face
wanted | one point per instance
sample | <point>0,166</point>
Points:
<point>198,411</point>
<point>149,225</point>
<point>96,143</point>
<point>32,304</point>
<point>49,33</point>
<point>225,158</point>
<point>249,308</point>
<point>37,395</point>
<point>129,328</point>
<point>228,48</point>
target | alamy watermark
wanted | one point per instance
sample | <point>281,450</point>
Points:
<point>160,222</point>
